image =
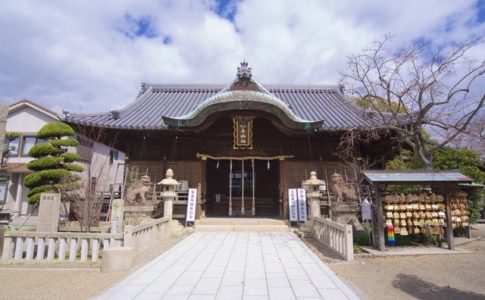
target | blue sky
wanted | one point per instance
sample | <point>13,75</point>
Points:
<point>81,56</point>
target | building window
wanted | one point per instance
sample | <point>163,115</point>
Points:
<point>113,155</point>
<point>3,190</point>
<point>27,143</point>
<point>13,146</point>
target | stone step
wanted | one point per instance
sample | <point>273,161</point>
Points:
<point>241,227</point>
<point>241,221</point>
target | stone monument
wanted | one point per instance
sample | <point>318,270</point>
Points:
<point>117,213</point>
<point>49,209</point>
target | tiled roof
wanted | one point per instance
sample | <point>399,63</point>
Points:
<point>309,102</point>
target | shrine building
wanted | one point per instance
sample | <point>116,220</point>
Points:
<point>243,144</point>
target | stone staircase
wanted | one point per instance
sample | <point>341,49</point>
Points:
<point>254,224</point>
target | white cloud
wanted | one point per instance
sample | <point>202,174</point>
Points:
<point>75,55</point>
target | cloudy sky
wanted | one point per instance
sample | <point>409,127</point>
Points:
<point>90,56</point>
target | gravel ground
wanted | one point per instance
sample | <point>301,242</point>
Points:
<point>64,280</point>
<point>457,276</point>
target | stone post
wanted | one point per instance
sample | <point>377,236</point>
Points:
<point>313,194</point>
<point>168,193</point>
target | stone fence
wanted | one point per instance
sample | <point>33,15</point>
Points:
<point>80,247</point>
<point>335,235</point>
<point>144,236</point>
<point>58,246</point>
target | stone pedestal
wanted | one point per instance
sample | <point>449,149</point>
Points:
<point>314,208</point>
<point>346,213</point>
<point>168,207</point>
<point>117,259</point>
<point>134,215</point>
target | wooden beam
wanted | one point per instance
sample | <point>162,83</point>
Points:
<point>449,223</point>
<point>253,181</point>
<point>380,221</point>
<point>230,188</point>
<point>242,187</point>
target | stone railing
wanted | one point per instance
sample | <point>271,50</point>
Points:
<point>58,246</point>
<point>144,236</point>
<point>335,235</point>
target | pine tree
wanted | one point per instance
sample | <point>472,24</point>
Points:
<point>53,165</point>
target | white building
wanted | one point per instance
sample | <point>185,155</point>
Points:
<point>24,120</point>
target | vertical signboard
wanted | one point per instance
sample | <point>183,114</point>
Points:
<point>293,205</point>
<point>190,215</point>
<point>302,209</point>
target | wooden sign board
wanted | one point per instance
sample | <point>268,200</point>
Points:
<point>293,205</point>
<point>243,132</point>
<point>191,206</point>
<point>302,208</point>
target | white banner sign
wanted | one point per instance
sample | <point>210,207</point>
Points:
<point>302,210</point>
<point>191,205</point>
<point>293,205</point>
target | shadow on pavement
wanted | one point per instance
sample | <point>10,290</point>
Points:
<point>421,289</point>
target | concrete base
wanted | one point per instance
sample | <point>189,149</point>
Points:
<point>117,259</point>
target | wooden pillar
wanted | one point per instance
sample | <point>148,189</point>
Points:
<point>254,199</point>
<point>283,201</point>
<point>202,188</point>
<point>380,222</point>
<point>242,187</point>
<point>449,223</point>
<point>230,187</point>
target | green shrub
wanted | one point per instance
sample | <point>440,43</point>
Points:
<point>73,167</point>
<point>55,129</point>
<point>41,189</point>
<point>64,142</point>
<point>44,177</point>
<point>70,157</point>
<point>47,162</point>
<point>361,238</point>
<point>45,149</point>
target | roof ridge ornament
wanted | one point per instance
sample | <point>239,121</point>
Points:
<point>244,71</point>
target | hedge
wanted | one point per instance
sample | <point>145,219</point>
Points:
<point>55,129</point>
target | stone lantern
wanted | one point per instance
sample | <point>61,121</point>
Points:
<point>168,193</point>
<point>313,194</point>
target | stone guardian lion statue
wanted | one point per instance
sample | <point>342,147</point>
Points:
<point>342,192</point>
<point>136,193</point>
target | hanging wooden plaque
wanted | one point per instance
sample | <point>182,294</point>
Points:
<point>243,132</point>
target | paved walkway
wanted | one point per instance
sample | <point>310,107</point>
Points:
<point>234,265</point>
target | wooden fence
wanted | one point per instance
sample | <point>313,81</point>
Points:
<point>335,235</point>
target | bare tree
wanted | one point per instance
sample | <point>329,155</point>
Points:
<point>88,202</point>
<point>414,89</point>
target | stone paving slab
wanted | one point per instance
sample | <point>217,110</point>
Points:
<point>234,265</point>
